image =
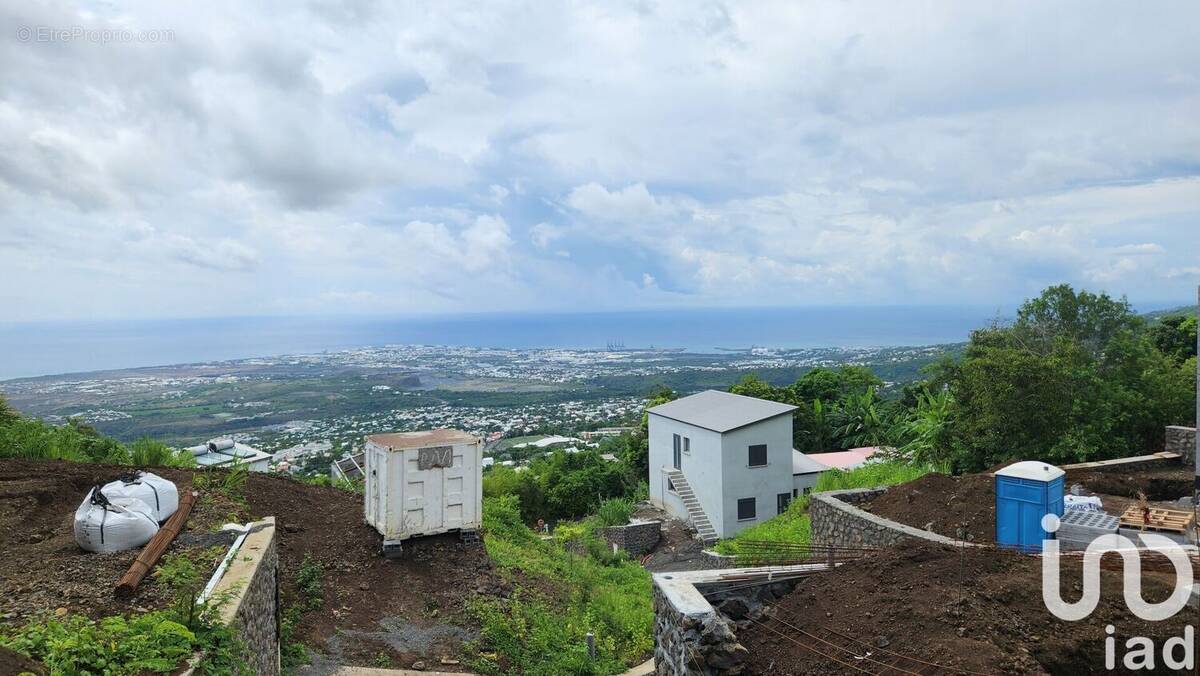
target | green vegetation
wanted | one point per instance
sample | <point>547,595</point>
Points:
<point>1076,377</point>
<point>614,512</point>
<point>562,485</point>
<point>155,642</point>
<point>28,438</point>
<point>542,629</point>
<point>836,408</point>
<point>794,526</point>
<point>310,585</point>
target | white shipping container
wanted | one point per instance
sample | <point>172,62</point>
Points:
<point>422,483</point>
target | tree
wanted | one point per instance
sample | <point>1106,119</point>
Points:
<point>861,421</point>
<point>927,432</point>
<point>8,414</point>
<point>1075,378</point>
<point>1175,336</point>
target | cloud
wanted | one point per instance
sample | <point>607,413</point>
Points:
<point>481,156</point>
<point>544,234</point>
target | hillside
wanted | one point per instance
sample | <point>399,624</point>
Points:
<point>319,528</point>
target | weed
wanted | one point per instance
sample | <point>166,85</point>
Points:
<point>614,512</point>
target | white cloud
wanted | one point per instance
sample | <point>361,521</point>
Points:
<point>472,156</point>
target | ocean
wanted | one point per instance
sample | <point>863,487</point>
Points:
<point>46,348</point>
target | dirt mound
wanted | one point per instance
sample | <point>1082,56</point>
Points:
<point>13,663</point>
<point>978,610</point>
<point>1158,484</point>
<point>961,507</point>
<point>43,568</point>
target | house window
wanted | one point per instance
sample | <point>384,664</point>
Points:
<point>758,455</point>
<point>687,445</point>
<point>794,492</point>
<point>781,502</point>
<point>677,447</point>
<point>807,490</point>
<point>746,509</point>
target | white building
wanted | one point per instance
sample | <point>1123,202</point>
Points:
<point>227,452</point>
<point>723,461</point>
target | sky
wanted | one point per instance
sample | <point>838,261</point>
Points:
<point>245,158</point>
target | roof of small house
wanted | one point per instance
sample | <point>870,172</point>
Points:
<point>424,439</point>
<point>351,467</point>
<point>802,464</point>
<point>845,459</point>
<point>720,411</point>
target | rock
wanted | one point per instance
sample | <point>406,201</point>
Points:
<point>292,528</point>
<point>882,642</point>
<point>962,631</point>
<point>60,612</point>
<point>364,586</point>
<point>735,608</point>
<point>929,526</point>
<point>418,666</point>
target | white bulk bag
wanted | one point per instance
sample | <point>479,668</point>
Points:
<point>149,488</point>
<point>1083,503</point>
<point>103,525</point>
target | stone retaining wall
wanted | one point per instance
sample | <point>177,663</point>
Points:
<point>252,584</point>
<point>837,521</point>
<point>637,538</point>
<point>690,636</point>
<point>1182,440</point>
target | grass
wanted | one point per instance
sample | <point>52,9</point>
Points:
<point>794,525</point>
<point>542,628</point>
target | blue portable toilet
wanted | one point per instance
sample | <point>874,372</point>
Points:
<point>1026,492</point>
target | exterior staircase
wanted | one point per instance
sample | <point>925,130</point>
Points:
<point>704,529</point>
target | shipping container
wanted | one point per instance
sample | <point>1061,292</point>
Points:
<point>422,483</point>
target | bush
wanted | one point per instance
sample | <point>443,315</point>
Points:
<point>146,451</point>
<point>599,592</point>
<point>614,512</point>
<point>33,439</point>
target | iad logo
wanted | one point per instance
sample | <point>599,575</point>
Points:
<point>1140,650</point>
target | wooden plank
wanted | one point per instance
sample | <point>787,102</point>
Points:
<point>1157,518</point>
<point>155,548</point>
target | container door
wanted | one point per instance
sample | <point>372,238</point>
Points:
<point>377,478</point>
<point>454,489</point>
<point>423,496</point>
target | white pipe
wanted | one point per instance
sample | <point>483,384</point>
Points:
<point>233,549</point>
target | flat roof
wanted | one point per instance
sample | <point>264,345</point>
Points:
<point>423,439</point>
<point>720,411</point>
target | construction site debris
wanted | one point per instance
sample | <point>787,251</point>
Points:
<point>154,549</point>
<point>105,525</point>
<point>150,488</point>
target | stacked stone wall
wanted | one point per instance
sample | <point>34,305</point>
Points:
<point>637,538</point>
<point>694,643</point>
<point>1182,440</point>
<point>838,521</point>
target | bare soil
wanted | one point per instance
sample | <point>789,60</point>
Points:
<point>1158,484</point>
<point>978,610</point>
<point>428,586</point>
<point>961,507</point>
<point>678,550</point>
<point>964,507</point>
<point>14,663</point>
